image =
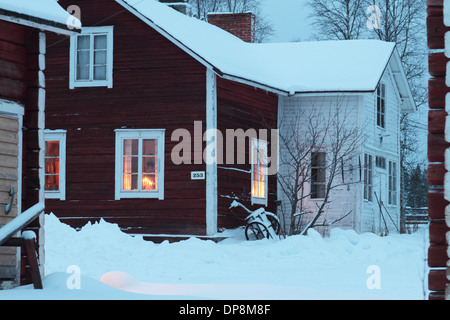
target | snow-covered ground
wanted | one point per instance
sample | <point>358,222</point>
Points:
<point>94,262</point>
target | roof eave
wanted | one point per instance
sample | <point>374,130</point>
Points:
<point>35,22</point>
<point>408,103</point>
<point>198,57</point>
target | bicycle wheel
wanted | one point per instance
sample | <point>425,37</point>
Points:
<point>256,231</point>
<point>275,223</point>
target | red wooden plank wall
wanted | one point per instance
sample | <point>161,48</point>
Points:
<point>156,85</point>
<point>242,107</point>
<point>438,251</point>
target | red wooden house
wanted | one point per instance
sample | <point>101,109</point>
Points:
<point>22,105</point>
<point>116,95</point>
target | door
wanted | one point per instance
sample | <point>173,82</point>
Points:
<point>10,172</point>
<point>382,200</point>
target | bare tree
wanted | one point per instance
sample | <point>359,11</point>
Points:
<point>303,136</point>
<point>338,19</point>
<point>399,21</point>
<point>263,27</point>
<point>299,137</point>
<point>403,22</point>
<point>201,8</point>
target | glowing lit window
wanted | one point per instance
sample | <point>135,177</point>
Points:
<point>51,165</point>
<point>139,163</point>
<point>54,161</point>
<point>259,171</point>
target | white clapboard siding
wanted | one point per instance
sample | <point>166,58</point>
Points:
<point>343,199</point>
<point>360,110</point>
<point>383,143</point>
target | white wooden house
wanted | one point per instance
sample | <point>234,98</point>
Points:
<point>371,97</point>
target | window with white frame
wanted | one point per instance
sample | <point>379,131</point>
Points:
<point>318,175</point>
<point>259,171</point>
<point>392,194</point>
<point>381,105</point>
<point>139,163</point>
<point>368,177</point>
<point>91,57</point>
<point>55,164</point>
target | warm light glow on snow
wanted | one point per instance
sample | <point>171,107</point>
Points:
<point>123,281</point>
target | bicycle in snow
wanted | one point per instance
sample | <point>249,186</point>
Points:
<point>260,223</point>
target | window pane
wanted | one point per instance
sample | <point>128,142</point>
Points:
<point>130,147</point>
<point>320,191</point>
<point>318,159</point>
<point>83,42</point>
<point>321,175</point>
<point>149,165</point>
<point>83,73</point>
<point>317,191</point>
<point>130,164</point>
<point>314,159</point>
<point>262,191</point>
<point>99,72</point>
<point>83,58</point>
<point>130,182</point>
<point>100,57</point>
<point>149,146</point>
<point>321,159</point>
<point>100,42</point>
<point>52,165</point>
<point>83,65</point>
<point>149,182</point>
<point>255,171</point>
<point>52,182</point>
<point>52,148</point>
<point>314,175</point>
<point>261,173</point>
<point>255,188</point>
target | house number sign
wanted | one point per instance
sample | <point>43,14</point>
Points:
<point>197,175</point>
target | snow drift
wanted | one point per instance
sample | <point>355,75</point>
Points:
<point>299,267</point>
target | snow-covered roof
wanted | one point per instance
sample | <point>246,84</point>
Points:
<point>43,14</point>
<point>286,68</point>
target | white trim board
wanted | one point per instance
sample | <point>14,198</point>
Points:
<point>211,141</point>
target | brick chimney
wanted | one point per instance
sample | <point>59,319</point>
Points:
<point>242,25</point>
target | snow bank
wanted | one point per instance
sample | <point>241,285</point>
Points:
<point>299,267</point>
